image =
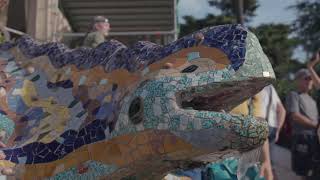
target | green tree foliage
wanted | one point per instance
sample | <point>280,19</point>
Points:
<point>283,83</point>
<point>307,24</point>
<point>278,46</point>
<point>228,7</point>
<point>227,16</point>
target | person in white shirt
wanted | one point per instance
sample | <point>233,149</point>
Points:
<point>273,111</point>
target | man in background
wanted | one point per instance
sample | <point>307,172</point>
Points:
<point>99,30</point>
<point>303,114</point>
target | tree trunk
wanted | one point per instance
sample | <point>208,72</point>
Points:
<point>239,11</point>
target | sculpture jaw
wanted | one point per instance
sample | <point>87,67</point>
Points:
<point>192,114</point>
<point>215,128</point>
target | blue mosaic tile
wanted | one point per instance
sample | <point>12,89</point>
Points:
<point>82,132</point>
<point>104,110</point>
<point>18,152</point>
<point>8,153</point>
<point>87,139</point>
<point>19,138</point>
<point>69,140</point>
<point>63,84</point>
<point>34,114</point>
<point>68,149</point>
<point>17,105</point>
<point>78,143</point>
<point>44,153</point>
<point>53,146</point>
<point>14,159</point>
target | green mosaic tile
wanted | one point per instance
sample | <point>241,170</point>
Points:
<point>6,125</point>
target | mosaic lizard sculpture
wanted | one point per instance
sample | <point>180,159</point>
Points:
<point>115,112</point>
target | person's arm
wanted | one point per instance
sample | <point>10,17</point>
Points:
<point>280,111</point>
<point>303,120</point>
<point>313,61</point>
<point>314,77</point>
<point>281,116</point>
<point>266,168</point>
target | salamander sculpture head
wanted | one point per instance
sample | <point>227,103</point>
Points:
<point>114,112</point>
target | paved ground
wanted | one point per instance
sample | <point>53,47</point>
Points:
<point>281,159</point>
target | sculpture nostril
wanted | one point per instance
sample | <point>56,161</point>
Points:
<point>190,69</point>
<point>136,111</point>
<point>224,148</point>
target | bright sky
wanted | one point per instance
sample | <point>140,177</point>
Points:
<point>196,8</point>
<point>269,11</point>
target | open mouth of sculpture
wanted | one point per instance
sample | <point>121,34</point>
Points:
<point>219,96</point>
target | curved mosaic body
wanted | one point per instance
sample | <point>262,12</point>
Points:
<point>114,112</point>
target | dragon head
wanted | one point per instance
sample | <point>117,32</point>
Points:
<point>192,99</point>
<point>131,110</point>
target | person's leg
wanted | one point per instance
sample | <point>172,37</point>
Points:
<point>300,155</point>
<point>271,138</point>
<point>272,134</point>
<point>315,158</point>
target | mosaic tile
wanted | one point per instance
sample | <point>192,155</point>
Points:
<point>82,80</point>
<point>103,82</point>
<point>145,71</point>
<point>6,125</point>
<point>193,55</point>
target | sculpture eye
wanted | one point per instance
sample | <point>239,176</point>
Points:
<point>136,111</point>
<point>190,69</point>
